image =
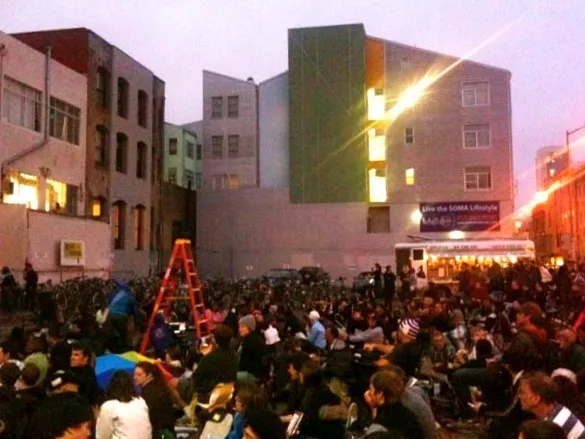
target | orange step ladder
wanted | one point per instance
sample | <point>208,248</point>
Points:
<point>181,262</point>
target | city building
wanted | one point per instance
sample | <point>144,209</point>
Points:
<point>43,109</point>
<point>182,157</point>
<point>125,128</point>
<point>230,131</point>
<point>558,221</point>
<point>363,143</point>
<point>550,162</point>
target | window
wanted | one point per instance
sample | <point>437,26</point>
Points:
<point>233,146</point>
<point>101,145</point>
<point>121,153</point>
<point>216,107</point>
<point>153,237</point>
<point>199,152</point>
<point>118,224</point>
<point>478,178</point>
<point>476,136</point>
<point>198,180</point>
<point>141,159</point>
<point>142,108</point>
<point>123,96</point>
<point>97,207</point>
<point>219,182</point>
<point>475,94</point>
<point>64,121</point>
<point>217,146</point>
<point>379,219</point>
<point>376,104</point>
<point>172,175</point>
<point>173,146</point>
<point>56,196</point>
<point>72,199</point>
<point>233,182</point>
<point>189,150</point>
<point>377,186</point>
<point>376,145</point>
<point>409,136</point>
<point>409,176</point>
<point>188,179</point>
<point>22,105</point>
<point>233,106</point>
<point>102,87</point>
<point>405,63</point>
<point>139,212</point>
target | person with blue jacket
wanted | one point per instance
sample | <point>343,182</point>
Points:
<point>121,305</point>
<point>316,334</point>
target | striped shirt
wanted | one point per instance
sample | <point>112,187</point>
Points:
<point>565,419</point>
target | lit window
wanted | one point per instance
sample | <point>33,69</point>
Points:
<point>409,136</point>
<point>475,94</point>
<point>23,189</point>
<point>376,104</point>
<point>56,196</point>
<point>377,186</point>
<point>97,208</point>
<point>409,176</point>
<point>376,145</point>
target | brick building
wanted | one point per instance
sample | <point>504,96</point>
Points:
<point>125,132</point>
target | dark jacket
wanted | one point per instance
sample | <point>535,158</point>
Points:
<point>160,407</point>
<point>312,401</point>
<point>88,385</point>
<point>397,418</point>
<point>252,355</point>
<point>220,366</point>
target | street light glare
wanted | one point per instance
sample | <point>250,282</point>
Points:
<point>416,216</point>
<point>541,197</point>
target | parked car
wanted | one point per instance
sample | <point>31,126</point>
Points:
<point>363,281</point>
<point>313,274</point>
<point>278,277</point>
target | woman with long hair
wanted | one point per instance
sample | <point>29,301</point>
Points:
<point>158,398</point>
<point>124,414</point>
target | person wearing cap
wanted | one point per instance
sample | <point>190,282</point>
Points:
<point>316,335</point>
<point>252,351</point>
<point>407,353</point>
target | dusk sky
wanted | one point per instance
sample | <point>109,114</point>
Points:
<point>543,45</point>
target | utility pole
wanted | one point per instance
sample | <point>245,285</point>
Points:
<point>573,205</point>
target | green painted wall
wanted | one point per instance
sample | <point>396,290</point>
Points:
<point>327,114</point>
<point>180,161</point>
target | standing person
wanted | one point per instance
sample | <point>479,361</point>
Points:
<point>7,289</point>
<point>377,273</point>
<point>389,286</point>
<point>31,279</point>
<point>121,306</point>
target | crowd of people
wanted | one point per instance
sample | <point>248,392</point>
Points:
<point>387,362</point>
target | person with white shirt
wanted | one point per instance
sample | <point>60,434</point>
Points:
<point>124,415</point>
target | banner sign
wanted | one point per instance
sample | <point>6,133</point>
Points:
<point>465,216</point>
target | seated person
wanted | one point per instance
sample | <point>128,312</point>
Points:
<point>373,334</point>
<point>219,366</point>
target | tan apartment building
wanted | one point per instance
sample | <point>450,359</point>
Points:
<point>383,143</point>
<point>125,128</point>
<point>43,108</point>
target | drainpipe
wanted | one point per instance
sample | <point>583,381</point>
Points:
<point>47,105</point>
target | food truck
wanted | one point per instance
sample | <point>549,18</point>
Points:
<point>441,260</point>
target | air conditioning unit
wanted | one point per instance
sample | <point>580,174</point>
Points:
<point>72,253</point>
